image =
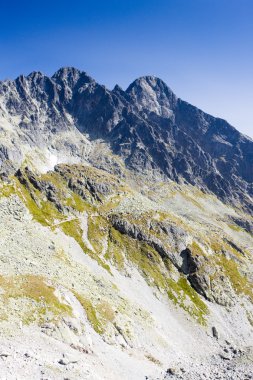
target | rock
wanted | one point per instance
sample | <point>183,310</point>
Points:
<point>82,349</point>
<point>63,362</point>
<point>66,359</point>
<point>225,356</point>
<point>215,332</point>
<point>4,355</point>
<point>171,371</point>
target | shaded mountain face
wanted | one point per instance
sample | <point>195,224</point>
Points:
<point>152,130</point>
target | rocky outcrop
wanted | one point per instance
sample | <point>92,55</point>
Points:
<point>83,180</point>
<point>244,223</point>
<point>165,238</point>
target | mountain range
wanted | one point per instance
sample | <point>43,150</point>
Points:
<point>152,130</point>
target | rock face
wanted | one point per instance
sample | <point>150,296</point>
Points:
<point>152,130</point>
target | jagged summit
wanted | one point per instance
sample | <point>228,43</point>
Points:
<point>153,95</point>
<point>35,74</point>
<point>72,76</point>
<point>118,88</point>
<point>149,81</point>
<point>67,71</point>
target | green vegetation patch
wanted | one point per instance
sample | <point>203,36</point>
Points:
<point>221,247</point>
<point>115,250</point>
<point>91,313</point>
<point>240,283</point>
<point>236,228</point>
<point>196,250</point>
<point>6,189</point>
<point>182,294</point>
<point>98,315</point>
<point>42,211</point>
<point>36,289</point>
<point>73,229</point>
<point>106,312</point>
<point>97,232</point>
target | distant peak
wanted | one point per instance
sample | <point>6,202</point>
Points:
<point>151,93</point>
<point>149,80</point>
<point>71,75</point>
<point>152,79</point>
<point>67,71</point>
<point>118,88</point>
<point>35,75</point>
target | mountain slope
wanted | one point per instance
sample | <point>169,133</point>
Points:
<point>126,234</point>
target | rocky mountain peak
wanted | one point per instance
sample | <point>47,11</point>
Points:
<point>152,94</point>
<point>35,75</point>
<point>71,76</point>
<point>117,88</point>
<point>35,81</point>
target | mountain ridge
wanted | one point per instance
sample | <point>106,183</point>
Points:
<point>147,125</point>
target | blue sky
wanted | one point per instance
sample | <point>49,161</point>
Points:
<point>203,49</point>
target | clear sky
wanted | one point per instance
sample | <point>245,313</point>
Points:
<point>203,49</point>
